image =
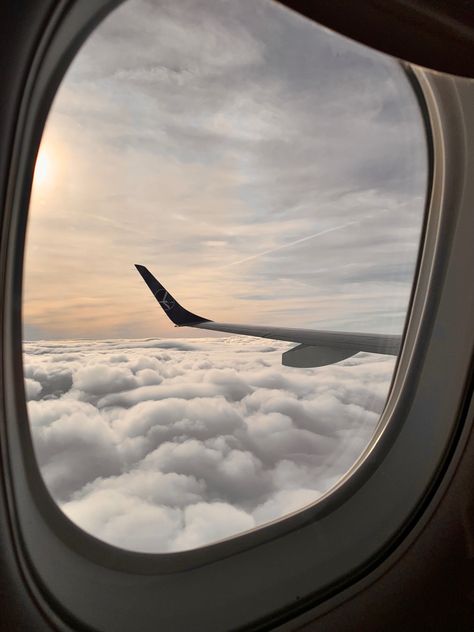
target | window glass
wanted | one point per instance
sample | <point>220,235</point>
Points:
<point>268,172</point>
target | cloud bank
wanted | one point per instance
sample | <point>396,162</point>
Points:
<point>159,445</point>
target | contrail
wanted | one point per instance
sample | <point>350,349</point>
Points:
<point>292,243</point>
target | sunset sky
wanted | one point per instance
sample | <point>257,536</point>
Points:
<point>266,171</point>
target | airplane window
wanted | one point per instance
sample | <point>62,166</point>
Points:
<point>268,179</point>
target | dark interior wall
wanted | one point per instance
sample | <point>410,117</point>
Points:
<point>436,34</point>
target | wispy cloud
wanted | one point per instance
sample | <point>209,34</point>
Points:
<point>292,243</point>
<point>186,135</point>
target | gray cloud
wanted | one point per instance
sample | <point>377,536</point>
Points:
<point>220,131</point>
<point>32,389</point>
<point>157,450</point>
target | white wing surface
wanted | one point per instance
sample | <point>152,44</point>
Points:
<point>315,347</point>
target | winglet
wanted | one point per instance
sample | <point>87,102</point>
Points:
<point>177,314</point>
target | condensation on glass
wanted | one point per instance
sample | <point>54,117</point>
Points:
<point>268,172</point>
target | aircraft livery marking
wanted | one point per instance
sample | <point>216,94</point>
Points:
<point>165,300</point>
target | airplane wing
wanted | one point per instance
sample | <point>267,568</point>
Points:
<point>315,347</point>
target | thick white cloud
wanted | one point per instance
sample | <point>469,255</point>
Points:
<point>100,379</point>
<point>74,444</point>
<point>157,450</point>
<point>210,522</point>
<point>32,388</point>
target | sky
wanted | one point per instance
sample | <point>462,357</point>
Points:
<point>268,172</point>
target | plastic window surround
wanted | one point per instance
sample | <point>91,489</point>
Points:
<point>381,499</point>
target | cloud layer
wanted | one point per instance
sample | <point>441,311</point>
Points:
<point>159,445</point>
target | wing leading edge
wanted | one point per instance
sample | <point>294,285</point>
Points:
<point>315,347</point>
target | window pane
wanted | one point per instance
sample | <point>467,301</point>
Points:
<point>269,172</point>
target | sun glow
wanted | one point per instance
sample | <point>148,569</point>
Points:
<point>44,169</point>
